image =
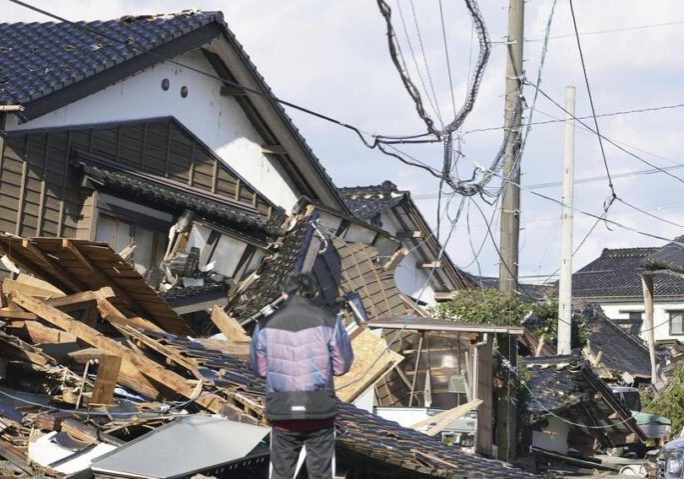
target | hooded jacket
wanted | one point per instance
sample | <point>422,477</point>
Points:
<point>298,349</point>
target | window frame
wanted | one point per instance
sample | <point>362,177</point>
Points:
<point>670,313</point>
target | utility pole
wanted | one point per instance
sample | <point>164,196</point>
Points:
<point>565,280</point>
<point>506,418</point>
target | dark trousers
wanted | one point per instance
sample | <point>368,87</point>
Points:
<point>320,453</point>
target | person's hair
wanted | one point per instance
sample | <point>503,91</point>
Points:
<point>300,284</point>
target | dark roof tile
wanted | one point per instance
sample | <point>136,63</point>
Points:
<point>620,351</point>
<point>616,274</point>
<point>39,58</point>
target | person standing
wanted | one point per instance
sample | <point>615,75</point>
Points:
<point>299,349</point>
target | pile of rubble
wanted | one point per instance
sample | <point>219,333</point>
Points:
<point>101,378</point>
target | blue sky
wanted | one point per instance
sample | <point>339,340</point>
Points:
<point>331,56</point>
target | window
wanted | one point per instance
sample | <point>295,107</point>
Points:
<point>676,322</point>
<point>119,234</point>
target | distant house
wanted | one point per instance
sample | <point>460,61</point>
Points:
<point>613,281</point>
<point>393,210</point>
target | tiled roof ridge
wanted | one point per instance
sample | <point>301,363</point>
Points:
<point>192,12</point>
<point>623,252</point>
<point>384,187</point>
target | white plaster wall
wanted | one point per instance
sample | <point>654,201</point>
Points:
<point>553,437</point>
<point>661,317</point>
<point>410,279</point>
<point>217,121</point>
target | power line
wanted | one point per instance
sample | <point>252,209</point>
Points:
<point>431,100</point>
<point>612,30</point>
<point>585,117</point>
<point>592,215</point>
<point>425,60</point>
<point>446,54</point>
<point>593,110</point>
<point>612,142</point>
<point>579,181</point>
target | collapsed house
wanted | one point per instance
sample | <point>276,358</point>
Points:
<point>569,408</point>
<point>89,370</point>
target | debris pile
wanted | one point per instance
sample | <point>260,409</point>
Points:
<point>97,370</point>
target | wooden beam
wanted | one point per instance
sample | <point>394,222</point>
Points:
<point>134,367</point>
<point>230,90</point>
<point>403,235</point>
<point>229,326</point>
<point>442,420</point>
<point>97,273</point>
<point>109,312</point>
<point>166,351</point>
<point>432,264</point>
<point>105,382</point>
<point>39,283</point>
<point>395,259</point>
<point>273,150</point>
<point>445,295</point>
<point>10,286</point>
<point>81,300</point>
<point>41,334</point>
<point>50,267</point>
<point>17,315</point>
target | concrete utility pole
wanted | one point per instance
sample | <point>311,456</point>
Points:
<point>506,417</point>
<point>565,280</point>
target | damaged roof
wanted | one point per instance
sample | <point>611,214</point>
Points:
<point>670,257</point>
<point>368,202</point>
<point>566,386</point>
<point>338,266</point>
<point>616,274</point>
<point>365,202</point>
<point>620,350</point>
<point>146,189</point>
<point>377,441</point>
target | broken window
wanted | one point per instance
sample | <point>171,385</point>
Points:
<point>120,234</point>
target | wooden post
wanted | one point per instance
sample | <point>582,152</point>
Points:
<point>485,416</point>
<point>415,373</point>
<point>107,376</point>
<point>647,286</point>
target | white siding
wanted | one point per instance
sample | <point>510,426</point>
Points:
<point>661,316</point>
<point>217,121</point>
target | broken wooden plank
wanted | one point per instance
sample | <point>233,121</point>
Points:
<point>9,286</point>
<point>39,283</point>
<point>372,360</point>
<point>96,273</point>
<point>105,381</point>
<point>18,315</point>
<point>110,312</point>
<point>170,353</point>
<point>134,366</point>
<point>81,300</point>
<point>229,326</point>
<point>442,420</point>
<point>273,150</point>
<point>41,334</point>
<point>51,268</point>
